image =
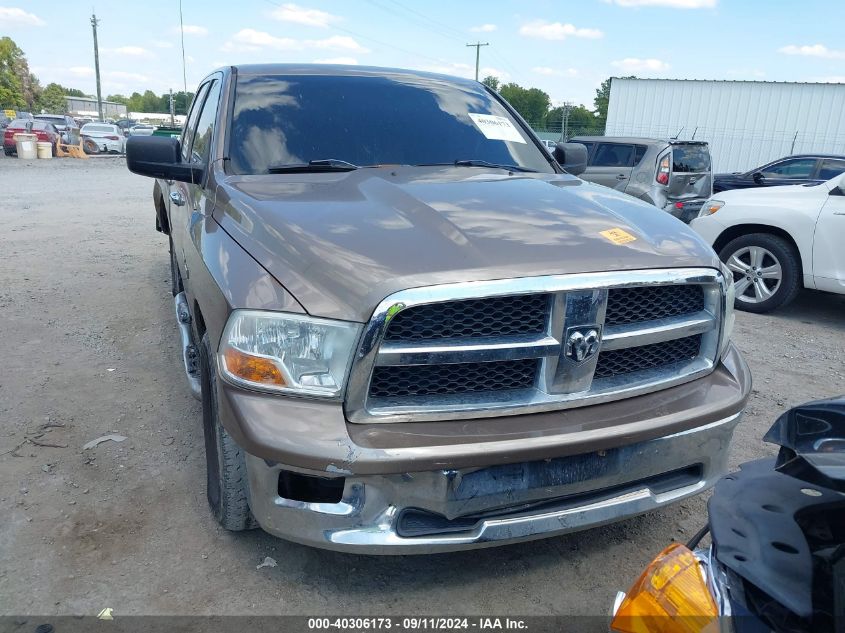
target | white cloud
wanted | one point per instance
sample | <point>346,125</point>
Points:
<point>555,72</point>
<point>130,51</point>
<point>337,42</point>
<point>124,76</point>
<point>13,16</point>
<point>301,15</point>
<point>162,44</point>
<point>251,40</point>
<point>544,30</point>
<point>634,64</point>
<point>191,29</point>
<point>674,4</point>
<point>81,71</point>
<point>345,61</point>
<point>814,50</point>
<point>484,28</point>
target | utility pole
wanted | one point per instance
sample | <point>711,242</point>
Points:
<point>94,23</point>
<point>564,123</point>
<point>478,46</point>
<point>172,111</point>
<point>184,72</point>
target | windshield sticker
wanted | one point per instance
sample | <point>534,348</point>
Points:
<point>617,235</point>
<point>496,128</point>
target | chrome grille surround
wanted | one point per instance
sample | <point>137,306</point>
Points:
<point>561,383</point>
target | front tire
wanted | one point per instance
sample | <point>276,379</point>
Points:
<point>227,486</point>
<point>766,268</point>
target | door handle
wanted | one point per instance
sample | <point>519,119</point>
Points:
<point>621,177</point>
<point>177,198</point>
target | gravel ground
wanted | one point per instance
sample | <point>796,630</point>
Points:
<point>90,347</point>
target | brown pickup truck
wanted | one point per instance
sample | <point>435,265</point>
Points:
<point>413,329</point>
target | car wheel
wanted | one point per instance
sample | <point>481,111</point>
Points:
<point>227,487</point>
<point>8,151</point>
<point>766,269</point>
<point>90,146</point>
<point>175,278</point>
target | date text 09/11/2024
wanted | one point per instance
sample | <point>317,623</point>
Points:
<point>420,623</point>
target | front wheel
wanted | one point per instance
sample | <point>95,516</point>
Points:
<point>766,269</point>
<point>227,487</point>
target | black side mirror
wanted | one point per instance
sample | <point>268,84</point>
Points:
<point>758,177</point>
<point>572,157</point>
<point>160,157</point>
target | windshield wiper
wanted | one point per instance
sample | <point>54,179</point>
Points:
<point>479,163</point>
<point>313,166</point>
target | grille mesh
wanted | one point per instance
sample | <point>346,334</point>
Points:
<point>459,378</point>
<point>472,318</point>
<point>625,361</point>
<point>632,305</point>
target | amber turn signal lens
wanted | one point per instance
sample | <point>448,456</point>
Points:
<point>252,368</point>
<point>671,596</point>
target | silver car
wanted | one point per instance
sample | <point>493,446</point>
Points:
<point>673,175</point>
<point>107,136</point>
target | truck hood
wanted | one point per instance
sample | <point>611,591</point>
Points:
<point>342,242</point>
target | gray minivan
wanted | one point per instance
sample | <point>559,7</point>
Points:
<point>673,175</point>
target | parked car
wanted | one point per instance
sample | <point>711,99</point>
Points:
<point>407,342</point>
<point>4,121</point>
<point>125,124</point>
<point>779,239</point>
<point>549,145</point>
<point>792,170</point>
<point>44,130</point>
<point>672,175</point>
<point>66,125</point>
<point>106,136</point>
<point>142,129</point>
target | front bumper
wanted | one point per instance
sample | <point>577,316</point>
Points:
<point>463,509</point>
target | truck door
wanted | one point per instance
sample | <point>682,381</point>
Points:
<point>612,164</point>
<point>179,196</point>
<point>828,253</point>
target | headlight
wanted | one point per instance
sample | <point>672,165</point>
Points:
<point>710,207</point>
<point>671,596</point>
<point>728,317</point>
<point>288,353</point>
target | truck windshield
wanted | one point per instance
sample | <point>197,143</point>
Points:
<point>393,119</point>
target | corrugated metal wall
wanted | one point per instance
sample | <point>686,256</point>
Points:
<point>747,123</point>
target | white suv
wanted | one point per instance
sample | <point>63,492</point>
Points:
<point>778,239</point>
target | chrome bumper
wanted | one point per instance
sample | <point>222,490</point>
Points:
<point>509,509</point>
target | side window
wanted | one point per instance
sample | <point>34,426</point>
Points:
<point>639,152</point>
<point>205,125</point>
<point>191,122</point>
<point>613,155</point>
<point>792,168</point>
<point>831,168</point>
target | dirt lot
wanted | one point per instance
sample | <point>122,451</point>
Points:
<point>90,347</point>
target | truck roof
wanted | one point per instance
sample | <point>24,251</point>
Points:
<point>342,70</point>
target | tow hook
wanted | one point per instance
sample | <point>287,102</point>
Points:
<point>190,355</point>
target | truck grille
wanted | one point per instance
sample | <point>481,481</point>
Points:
<point>495,348</point>
<point>474,318</point>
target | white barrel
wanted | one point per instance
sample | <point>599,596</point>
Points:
<point>45,150</point>
<point>25,145</point>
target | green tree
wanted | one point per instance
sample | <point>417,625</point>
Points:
<point>531,103</point>
<point>581,120</point>
<point>52,99</point>
<point>602,99</point>
<point>118,99</point>
<point>74,92</point>
<point>150,102</point>
<point>12,60</point>
<point>491,82</point>
<point>135,102</point>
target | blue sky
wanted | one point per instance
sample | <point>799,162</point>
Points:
<point>564,47</point>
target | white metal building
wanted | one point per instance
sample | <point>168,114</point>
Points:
<point>747,123</point>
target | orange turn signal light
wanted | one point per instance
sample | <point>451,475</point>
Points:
<point>671,596</point>
<point>252,368</point>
